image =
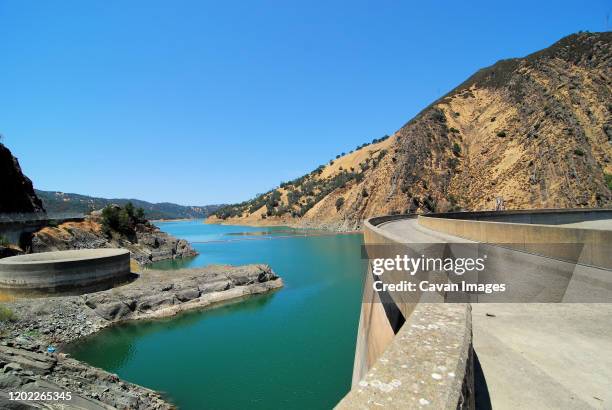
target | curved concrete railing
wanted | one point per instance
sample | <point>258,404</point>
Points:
<point>531,231</point>
<point>531,216</point>
<point>73,268</point>
<point>410,354</point>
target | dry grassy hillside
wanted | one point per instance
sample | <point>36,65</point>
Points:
<point>535,132</point>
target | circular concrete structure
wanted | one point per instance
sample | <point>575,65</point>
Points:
<point>74,268</point>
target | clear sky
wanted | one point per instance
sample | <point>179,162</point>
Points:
<point>199,102</point>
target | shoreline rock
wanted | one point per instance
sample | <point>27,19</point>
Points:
<point>340,226</point>
<point>148,244</point>
<point>25,364</point>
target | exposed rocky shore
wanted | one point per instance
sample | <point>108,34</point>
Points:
<point>147,244</point>
<point>294,223</point>
<point>330,227</point>
<point>27,365</point>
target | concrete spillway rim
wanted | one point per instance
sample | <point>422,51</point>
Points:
<point>63,256</point>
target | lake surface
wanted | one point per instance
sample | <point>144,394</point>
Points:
<point>291,349</point>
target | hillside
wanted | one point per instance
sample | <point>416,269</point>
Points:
<point>532,132</point>
<point>17,193</point>
<point>64,203</point>
<point>106,229</point>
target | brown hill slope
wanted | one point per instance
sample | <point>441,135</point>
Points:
<point>534,131</point>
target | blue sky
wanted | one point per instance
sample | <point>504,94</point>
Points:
<point>200,102</point>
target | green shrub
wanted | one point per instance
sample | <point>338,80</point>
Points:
<point>501,134</point>
<point>579,152</point>
<point>140,215</point>
<point>438,115</point>
<point>339,203</point>
<point>609,181</point>
<point>430,204</point>
<point>456,149</point>
<point>6,314</point>
<point>4,241</point>
<point>121,219</point>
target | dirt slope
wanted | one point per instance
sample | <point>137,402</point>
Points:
<point>532,132</point>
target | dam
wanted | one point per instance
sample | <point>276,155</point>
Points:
<point>546,348</point>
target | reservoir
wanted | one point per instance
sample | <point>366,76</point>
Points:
<point>291,349</point>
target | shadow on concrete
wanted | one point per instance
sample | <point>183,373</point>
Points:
<point>481,390</point>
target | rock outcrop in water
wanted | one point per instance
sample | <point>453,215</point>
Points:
<point>25,364</point>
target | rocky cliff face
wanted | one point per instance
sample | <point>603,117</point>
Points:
<point>17,192</point>
<point>532,132</point>
<point>149,244</point>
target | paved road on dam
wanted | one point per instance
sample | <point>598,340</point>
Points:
<point>538,355</point>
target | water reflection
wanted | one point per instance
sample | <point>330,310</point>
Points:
<point>121,339</point>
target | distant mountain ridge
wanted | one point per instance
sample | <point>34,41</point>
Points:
<point>56,202</point>
<point>528,133</point>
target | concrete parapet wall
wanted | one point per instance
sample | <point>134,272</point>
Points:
<point>427,364</point>
<point>529,237</point>
<point>74,268</point>
<point>408,364</point>
<point>402,344</point>
<point>529,216</point>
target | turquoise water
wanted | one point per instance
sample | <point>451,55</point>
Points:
<point>291,349</point>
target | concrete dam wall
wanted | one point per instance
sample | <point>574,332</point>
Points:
<point>535,232</point>
<point>414,351</point>
<point>409,354</point>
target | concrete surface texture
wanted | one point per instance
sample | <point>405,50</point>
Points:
<point>409,354</point>
<point>539,355</point>
<point>424,365</point>
<point>73,268</point>
<point>533,238</point>
<point>532,216</point>
<point>603,224</point>
<point>545,356</point>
